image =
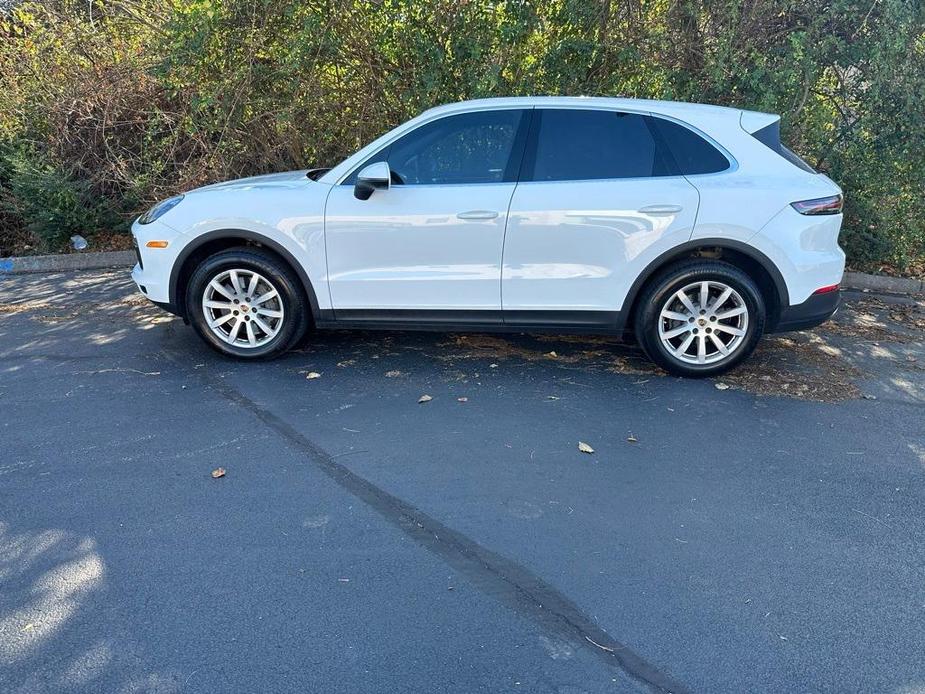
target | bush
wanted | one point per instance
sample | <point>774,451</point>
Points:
<point>50,204</point>
<point>138,100</point>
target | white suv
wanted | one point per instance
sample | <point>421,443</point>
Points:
<point>690,226</point>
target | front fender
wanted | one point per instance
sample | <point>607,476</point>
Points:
<point>288,220</point>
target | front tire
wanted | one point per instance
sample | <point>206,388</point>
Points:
<point>246,303</point>
<point>700,318</point>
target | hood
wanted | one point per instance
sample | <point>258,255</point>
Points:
<point>287,179</point>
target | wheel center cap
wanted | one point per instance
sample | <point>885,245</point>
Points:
<point>245,308</point>
<point>700,321</point>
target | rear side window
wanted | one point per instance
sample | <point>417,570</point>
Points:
<point>691,153</point>
<point>584,144</point>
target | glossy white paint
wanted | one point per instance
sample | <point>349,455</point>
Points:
<point>558,245</point>
<point>286,209</point>
<point>418,246</point>
<point>580,244</point>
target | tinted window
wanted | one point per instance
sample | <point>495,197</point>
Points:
<point>468,148</point>
<point>574,145</point>
<point>770,137</point>
<point>692,153</point>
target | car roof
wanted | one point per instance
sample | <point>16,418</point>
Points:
<point>678,109</point>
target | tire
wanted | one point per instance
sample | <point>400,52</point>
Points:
<point>267,317</point>
<point>671,331</point>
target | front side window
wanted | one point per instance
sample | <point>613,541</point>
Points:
<point>476,147</point>
<point>584,144</point>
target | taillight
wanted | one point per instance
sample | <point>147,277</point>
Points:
<point>827,289</point>
<point>829,205</point>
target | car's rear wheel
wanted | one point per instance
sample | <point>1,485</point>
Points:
<point>246,303</point>
<point>700,318</point>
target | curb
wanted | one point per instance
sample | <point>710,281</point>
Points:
<point>66,262</point>
<point>882,283</point>
<point>110,259</point>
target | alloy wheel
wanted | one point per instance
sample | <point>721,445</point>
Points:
<point>703,322</point>
<point>243,308</point>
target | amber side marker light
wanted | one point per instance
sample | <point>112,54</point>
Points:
<point>826,290</point>
<point>156,244</point>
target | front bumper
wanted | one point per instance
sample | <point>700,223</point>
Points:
<point>151,289</point>
<point>152,272</point>
<point>817,309</point>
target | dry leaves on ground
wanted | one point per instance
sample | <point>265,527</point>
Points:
<point>584,448</point>
<point>218,472</point>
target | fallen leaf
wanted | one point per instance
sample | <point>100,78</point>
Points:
<point>347,362</point>
<point>392,374</point>
<point>218,472</point>
<point>462,399</point>
<point>722,386</point>
<point>312,374</point>
<point>424,398</point>
<point>584,448</point>
<point>492,366</point>
<point>631,438</point>
<point>552,354</point>
<point>552,397</point>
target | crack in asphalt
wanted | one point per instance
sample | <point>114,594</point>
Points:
<point>493,574</point>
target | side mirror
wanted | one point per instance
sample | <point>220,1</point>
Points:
<point>373,177</point>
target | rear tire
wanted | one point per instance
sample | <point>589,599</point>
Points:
<point>700,318</point>
<point>246,303</point>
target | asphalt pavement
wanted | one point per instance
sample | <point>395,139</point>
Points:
<point>761,532</point>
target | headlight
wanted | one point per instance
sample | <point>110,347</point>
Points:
<point>159,209</point>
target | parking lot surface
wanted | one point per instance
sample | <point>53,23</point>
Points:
<point>759,532</point>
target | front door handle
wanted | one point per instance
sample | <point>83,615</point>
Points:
<point>661,209</point>
<point>477,214</point>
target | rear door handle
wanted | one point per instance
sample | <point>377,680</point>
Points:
<point>661,209</point>
<point>477,214</point>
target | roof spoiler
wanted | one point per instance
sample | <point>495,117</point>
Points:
<point>765,127</point>
<point>753,121</point>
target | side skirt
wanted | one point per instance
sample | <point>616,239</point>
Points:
<point>575,322</point>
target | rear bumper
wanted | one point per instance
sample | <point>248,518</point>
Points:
<point>817,309</point>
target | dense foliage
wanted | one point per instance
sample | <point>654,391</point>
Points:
<point>106,107</point>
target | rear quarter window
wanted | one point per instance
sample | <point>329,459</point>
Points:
<point>769,136</point>
<point>692,153</point>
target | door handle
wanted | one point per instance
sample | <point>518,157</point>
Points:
<point>477,214</point>
<point>661,209</point>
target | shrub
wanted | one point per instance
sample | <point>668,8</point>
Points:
<point>50,204</point>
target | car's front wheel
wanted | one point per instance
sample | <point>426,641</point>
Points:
<point>700,318</point>
<point>246,303</point>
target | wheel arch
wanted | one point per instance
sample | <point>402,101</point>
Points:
<point>747,258</point>
<point>222,239</point>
